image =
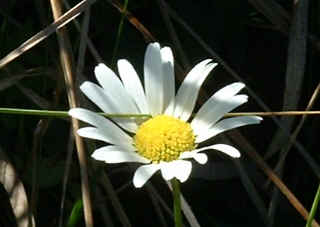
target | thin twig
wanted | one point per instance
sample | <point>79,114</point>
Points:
<point>156,205</point>
<point>58,113</point>
<point>39,131</point>
<point>274,178</point>
<point>299,127</point>
<point>103,208</point>
<point>174,36</point>
<point>83,41</point>
<point>295,72</point>
<point>120,28</point>
<point>37,38</point>
<point>67,66</point>
<point>91,47</point>
<point>108,187</point>
<point>251,190</point>
<point>271,114</point>
<point>68,164</point>
<point>134,21</point>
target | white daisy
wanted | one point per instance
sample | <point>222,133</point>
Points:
<point>167,141</point>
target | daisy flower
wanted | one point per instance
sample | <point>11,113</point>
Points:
<point>169,140</point>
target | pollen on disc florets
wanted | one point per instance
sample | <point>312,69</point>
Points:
<point>164,138</point>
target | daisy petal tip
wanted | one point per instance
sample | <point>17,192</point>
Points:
<point>166,49</point>
<point>121,62</point>
<point>139,180</point>
<point>242,98</point>
<point>167,55</point>
<point>167,177</point>
<point>79,131</point>
<point>143,174</point>
<point>167,170</point>
<point>207,61</point>
<point>97,156</point>
<point>212,64</point>
<point>155,45</point>
<point>245,97</point>
<point>240,85</point>
<point>85,86</point>
<point>70,112</point>
<point>227,149</point>
<point>259,119</point>
<point>256,119</point>
<point>84,83</point>
<point>73,112</point>
<point>235,154</point>
<point>201,158</point>
<point>185,170</point>
<point>101,69</point>
<point>182,180</point>
<point>152,47</point>
<point>137,183</point>
<point>100,66</point>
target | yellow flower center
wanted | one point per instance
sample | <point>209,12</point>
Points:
<point>164,138</point>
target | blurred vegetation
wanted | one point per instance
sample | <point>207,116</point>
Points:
<point>271,45</point>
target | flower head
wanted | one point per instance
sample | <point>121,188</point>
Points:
<point>168,140</point>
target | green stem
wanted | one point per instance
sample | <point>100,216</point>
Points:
<point>176,202</point>
<point>116,46</point>
<point>53,113</point>
<point>314,208</point>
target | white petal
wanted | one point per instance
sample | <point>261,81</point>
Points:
<point>168,80</point>
<point>95,133</point>
<point>114,89</point>
<point>226,124</point>
<point>143,174</point>
<point>130,124</point>
<point>179,169</point>
<point>199,157</point>
<point>227,149</point>
<point>106,136</point>
<point>168,170</point>
<point>229,90</point>
<point>102,123</point>
<point>153,78</point>
<point>188,92</point>
<point>116,154</point>
<point>98,96</point>
<point>183,170</point>
<point>107,103</point>
<point>213,110</point>
<point>133,85</point>
<point>203,118</point>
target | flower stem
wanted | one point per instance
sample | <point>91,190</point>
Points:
<point>314,208</point>
<point>176,202</point>
<point>54,113</point>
